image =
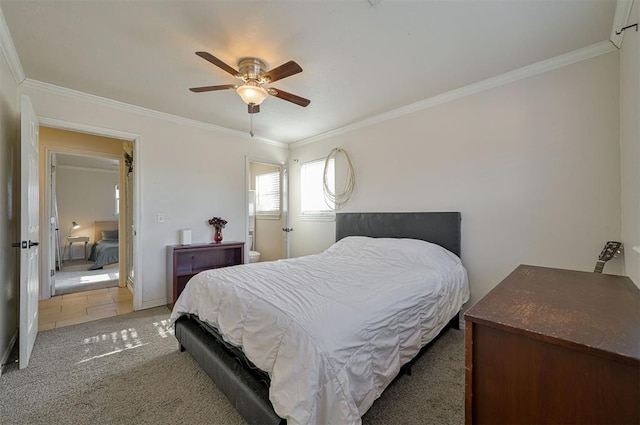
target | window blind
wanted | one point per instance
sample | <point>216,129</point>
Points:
<point>268,193</point>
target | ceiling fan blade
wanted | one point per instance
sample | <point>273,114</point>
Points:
<point>285,70</point>
<point>289,97</point>
<point>217,62</point>
<point>253,108</point>
<point>212,88</point>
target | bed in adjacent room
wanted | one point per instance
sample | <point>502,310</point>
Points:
<point>317,339</point>
<point>105,250</point>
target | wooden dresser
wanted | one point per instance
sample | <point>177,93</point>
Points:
<point>185,261</point>
<point>551,346</point>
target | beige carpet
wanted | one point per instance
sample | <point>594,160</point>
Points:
<point>128,370</point>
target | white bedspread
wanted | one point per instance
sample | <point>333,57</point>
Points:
<point>332,329</point>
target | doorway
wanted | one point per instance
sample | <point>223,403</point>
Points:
<point>87,199</point>
<point>85,214</point>
<point>267,211</point>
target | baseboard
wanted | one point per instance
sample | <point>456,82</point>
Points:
<point>7,353</point>
<point>154,303</point>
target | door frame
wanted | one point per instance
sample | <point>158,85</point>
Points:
<point>136,195</point>
<point>284,199</point>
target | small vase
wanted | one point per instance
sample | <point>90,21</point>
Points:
<point>217,236</point>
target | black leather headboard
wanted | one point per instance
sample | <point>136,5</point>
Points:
<point>442,228</point>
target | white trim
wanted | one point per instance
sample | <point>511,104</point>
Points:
<point>7,352</point>
<point>9,50</point>
<point>151,303</point>
<point>575,56</point>
<point>267,216</point>
<point>126,107</point>
<point>98,170</point>
<point>620,19</point>
<point>329,216</point>
<point>87,129</point>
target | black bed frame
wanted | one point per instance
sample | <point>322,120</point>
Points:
<point>245,386</point>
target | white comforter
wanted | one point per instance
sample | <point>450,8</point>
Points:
<point>332,329</point>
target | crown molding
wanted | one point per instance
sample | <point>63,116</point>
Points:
<point>88,129</point>
<point>620,19</point>
<point>9,50</point>
<point>126,107</point>
<point>556,62</point>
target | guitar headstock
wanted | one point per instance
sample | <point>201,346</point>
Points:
<point>611,249</point>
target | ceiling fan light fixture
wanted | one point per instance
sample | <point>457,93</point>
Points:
<point>252,93</point>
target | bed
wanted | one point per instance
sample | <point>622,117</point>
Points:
<point>310,343</point>
<point>105,250</point>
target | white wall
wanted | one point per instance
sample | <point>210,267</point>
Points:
<point>84,196</point>
<point>187,173</point>
<point>10,197</point>
<point>630,146</point>
<point>532,165</point>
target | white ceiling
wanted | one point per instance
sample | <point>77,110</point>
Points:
<point>359,60</point>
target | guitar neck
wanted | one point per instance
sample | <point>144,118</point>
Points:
<point>599,266</point>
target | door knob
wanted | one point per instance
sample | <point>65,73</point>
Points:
<point>33,244</point>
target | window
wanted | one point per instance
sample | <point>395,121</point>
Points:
<point>314,203</point>
<point>268,194</point>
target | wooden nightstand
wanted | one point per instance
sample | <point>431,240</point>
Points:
<point>77,239</point>
<point>185,261</point>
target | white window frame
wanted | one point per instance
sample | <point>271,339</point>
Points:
<point>316,167</point>
<point>268,214</point>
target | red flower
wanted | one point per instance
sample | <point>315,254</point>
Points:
<point>218,222</point>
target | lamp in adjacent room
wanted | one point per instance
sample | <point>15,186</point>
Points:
<point>74,226</point>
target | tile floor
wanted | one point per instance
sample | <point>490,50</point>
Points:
<point>81,307</point>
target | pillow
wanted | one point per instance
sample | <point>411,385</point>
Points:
<point>394,250</point>
<point>350,246</point>
<point>109,235</point>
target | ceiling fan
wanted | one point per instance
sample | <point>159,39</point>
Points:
<point>254,75</point>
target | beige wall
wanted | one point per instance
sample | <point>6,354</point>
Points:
<point>630,146</point>
<point>533,166</point>
<point>9,208</point>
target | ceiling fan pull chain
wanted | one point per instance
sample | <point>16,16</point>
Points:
<point>251,124</point>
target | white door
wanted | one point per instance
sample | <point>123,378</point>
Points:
<point>29,231</point>
<point>285,210</point>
